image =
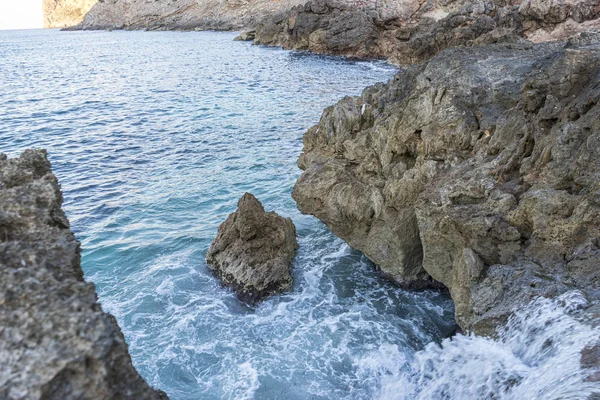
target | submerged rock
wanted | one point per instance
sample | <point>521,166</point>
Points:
<point>253,251</point>
<point>56,342</point>
<point>479,168</point>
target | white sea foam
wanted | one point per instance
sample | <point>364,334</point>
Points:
<point>536,356</point>
<point>245,385</point>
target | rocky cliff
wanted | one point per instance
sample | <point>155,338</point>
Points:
<point>65,13</point>
<point>181,14</point>
<point>412,31</point>
<point>57,343</point>
<point>479,169</point>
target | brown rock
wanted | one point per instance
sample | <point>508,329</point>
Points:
<point>479,168</point>
<point>65,13</point>
<point>56,342</point>
<point>253,251</point>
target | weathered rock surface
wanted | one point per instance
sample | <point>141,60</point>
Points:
<point>412,31</point>
<point>55,340</point>
<point>479,168</point>
<point>253,251</point>
<point>404,31</point>
<point>246,36</point>
<point>65,13</point>
<point>181,14</point>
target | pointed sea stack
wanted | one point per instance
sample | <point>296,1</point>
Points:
<point>253,251</point>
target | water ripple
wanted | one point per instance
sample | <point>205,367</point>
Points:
<point>154,137</point>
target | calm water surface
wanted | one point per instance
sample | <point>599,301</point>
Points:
<point>154,137</point>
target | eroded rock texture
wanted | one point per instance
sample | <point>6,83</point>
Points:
<point>412,31</point>
<point>253,251</point>
<point>181,14</point>
<point>480,168</point>
<point>55,340</point>
<point>65,13</point>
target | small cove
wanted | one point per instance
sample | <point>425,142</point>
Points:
<point>154,137</point>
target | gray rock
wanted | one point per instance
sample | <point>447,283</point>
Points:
<point>222,15</point>
<point>253,251</point>
<point>408,32</point>
<point>55,340</point>
<point>404,31</point>
<point>246,36</point>
<point>479,168</point>
<point>322,27</point>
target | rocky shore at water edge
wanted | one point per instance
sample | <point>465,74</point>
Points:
<point>55,340</point>
<point>477,167</point>
<point>412,31</point>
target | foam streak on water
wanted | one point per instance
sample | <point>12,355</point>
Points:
<point>154,137</point>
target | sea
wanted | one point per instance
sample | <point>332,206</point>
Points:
<point>154,136</point>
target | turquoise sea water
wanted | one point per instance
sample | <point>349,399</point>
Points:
<point>154,137</point>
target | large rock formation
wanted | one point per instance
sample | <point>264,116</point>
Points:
<point>404,31</point>
<point>480,168</point>
<point>65,13</point>
<point>411,31</point>
<point>56,342</point>
<point>253,251</point>
<point>181,14</point>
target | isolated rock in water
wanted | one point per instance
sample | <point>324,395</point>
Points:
<point>56,342</point>
<point>65,13</point>
<point>253,251</point>
<point>479,168</point>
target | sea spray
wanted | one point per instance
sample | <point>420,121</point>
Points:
<point>535,356</point>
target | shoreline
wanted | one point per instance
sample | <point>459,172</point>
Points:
<point>331,27</point>
<point>79,350</point>
<point>476,166</point>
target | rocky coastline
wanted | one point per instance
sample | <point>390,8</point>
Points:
<point>413,31</point>
<point>476,168</point>
<point>479,169</point>
<point>219,15</point>
<point>56,342</point>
